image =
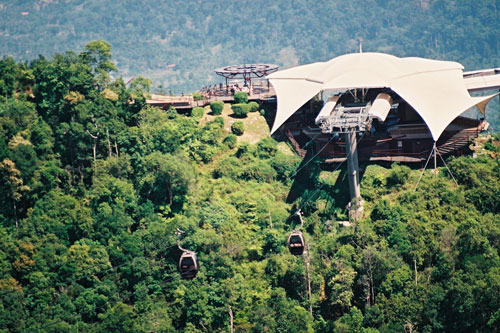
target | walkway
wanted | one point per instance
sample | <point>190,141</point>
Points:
<point>209,94</point>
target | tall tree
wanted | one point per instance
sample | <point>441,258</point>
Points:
<point>97,55</point>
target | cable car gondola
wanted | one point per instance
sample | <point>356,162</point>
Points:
<point>188,265</point>
<point>296,243</point>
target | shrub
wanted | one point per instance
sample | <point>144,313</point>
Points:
<point>228,167</point>
<point>254,106</point>
<point>197,96</point>
<point>172,113</point>
<point>241,97</point>
<point>240,110</point>
<point>245,150</point>
<point>197,112</point>
<point>220,121</point>
<point>258,170</point>
<point>262,112</point>
<point>211,133</point>
<point>217,107</point>
<point>398,176</point>
<point>267,148</point>
<point>238,128</point>
<point>285,166</point>
<point>202,152</point>
<point>231,141</point>
<point>491,145</point>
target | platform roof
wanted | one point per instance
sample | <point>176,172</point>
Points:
<point>246,71</point>
<point>434,88</point>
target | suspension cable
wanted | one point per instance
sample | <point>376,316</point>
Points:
<point>425,167</point>
<point>319,151</point>
<point>446,165</point>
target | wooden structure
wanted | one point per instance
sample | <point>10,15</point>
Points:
<point>261,92</point>
<point>406,142</point>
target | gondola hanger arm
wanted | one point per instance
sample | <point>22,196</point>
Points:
<point>299,214</point>
<point>179,232</point>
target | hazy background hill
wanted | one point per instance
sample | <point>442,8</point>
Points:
<point>199,36</point>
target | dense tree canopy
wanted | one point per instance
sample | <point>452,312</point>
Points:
<point>95,185</point>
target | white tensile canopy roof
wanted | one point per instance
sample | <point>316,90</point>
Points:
<point>435,89</point>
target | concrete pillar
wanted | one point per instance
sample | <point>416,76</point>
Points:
<point>351,146</point>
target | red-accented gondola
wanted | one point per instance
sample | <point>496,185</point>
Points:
<point>188,265</point>
<point>296,243</point>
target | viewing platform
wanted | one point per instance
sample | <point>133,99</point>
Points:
<point>250,78</point>
<point>261,92</point>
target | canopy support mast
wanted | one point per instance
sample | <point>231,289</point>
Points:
<point>435,152</point>
<point>434,148</point>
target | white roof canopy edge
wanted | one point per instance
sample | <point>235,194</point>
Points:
<point>434,88</point>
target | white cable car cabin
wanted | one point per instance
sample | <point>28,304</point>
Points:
<point>188,265</point>
<point>296,243</point>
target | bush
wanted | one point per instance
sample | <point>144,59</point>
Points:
<point>398,176</point>
<point>217,107</point>
<point>238,128</point>
<point>211,133</point>
<point>220,121</point>
<point>240,97</point>
<point>240,110</point>
<point>172,113</point>
<point>197,112</point>
<point>228,167</point>
<point>254,106</point>
<point>285,166</point>
<point>258,170</point>
<point>262,112</point>
<point>202,152</point>
<point>492,145</point>
<point>267,148</point>
<point>245,150</point>
<point>231,141</point>
<point>197,96</point>
<point>489,146</point>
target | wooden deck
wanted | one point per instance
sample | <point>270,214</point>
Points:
<point>188,101</point>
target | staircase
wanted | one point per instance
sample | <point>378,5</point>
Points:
<point>458,140</point>
<point>296,146</point>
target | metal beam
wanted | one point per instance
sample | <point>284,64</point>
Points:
<point>352,165</point>
<point>480,80</point>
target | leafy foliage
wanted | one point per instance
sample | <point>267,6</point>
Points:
<point>231,140</point>
<point>216,107</point>
<point>197,112</point>
<point>241,97</point>
<point>95,186</point>
<point>240,110</point>
<point>254,106</point>
<point>238,128</point>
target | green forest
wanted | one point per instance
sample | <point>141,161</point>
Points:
<point>96,185</point>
